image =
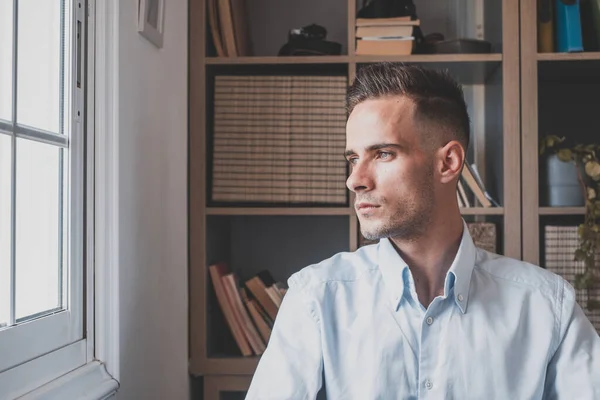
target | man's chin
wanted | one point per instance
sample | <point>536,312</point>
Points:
<point>372,234</point>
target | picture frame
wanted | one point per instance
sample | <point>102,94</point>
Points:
<point>151,16</point>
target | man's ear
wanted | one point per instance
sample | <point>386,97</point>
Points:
<point>450,159</point>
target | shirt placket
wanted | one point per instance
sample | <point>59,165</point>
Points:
<point>429,342</point>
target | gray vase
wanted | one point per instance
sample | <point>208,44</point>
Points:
<point>560,185</point>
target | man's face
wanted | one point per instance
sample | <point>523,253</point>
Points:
<point>391,172</point>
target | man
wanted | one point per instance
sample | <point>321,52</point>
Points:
<point>423,313</point>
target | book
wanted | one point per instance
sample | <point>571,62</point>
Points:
<point>230,283</point>
<point>216,272</point>
<point>394,21</point>
<point>467,175</point>
<point>383,46</point>
<point>384,31</point>
<point>257,286</point>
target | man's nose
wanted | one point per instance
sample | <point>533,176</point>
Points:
<point>360,179</point>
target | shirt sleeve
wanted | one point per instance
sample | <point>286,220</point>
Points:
<point>574,369</point>
<point>291,366</point>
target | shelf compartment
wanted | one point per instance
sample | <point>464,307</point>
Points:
<point>248,244</point>
<point>431,58</point>
<point>562,210</point>
<point>482,211</point>
<point>277,139</point>
<point>424,58</point>
<point>276,60</point>
<point>291,211</point>
<point>592,55</point>
<point>574,68</point>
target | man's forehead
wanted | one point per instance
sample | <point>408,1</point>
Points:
<point>379,121</point>
<point>381,112</point>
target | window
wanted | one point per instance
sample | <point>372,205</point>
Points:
<point>43,184</point>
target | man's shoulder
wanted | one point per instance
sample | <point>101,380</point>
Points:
<point>340,267</point>
<point>518,272</point>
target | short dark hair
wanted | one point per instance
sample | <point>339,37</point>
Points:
<point>438,98</point>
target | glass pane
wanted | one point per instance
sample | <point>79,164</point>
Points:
<point>5,240</point>
<point>39,226</point>
<point>39,64</point>
<point>6,59</point>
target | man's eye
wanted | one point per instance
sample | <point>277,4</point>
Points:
<point>353,161</point>
<point>384,155</point>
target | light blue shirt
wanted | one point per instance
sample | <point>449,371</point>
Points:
<point>503,329</point>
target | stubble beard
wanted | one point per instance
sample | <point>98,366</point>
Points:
<point>410,220</point>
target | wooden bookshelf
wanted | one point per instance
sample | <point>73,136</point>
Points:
<point>562,210</point>
<point>492,85</point>
<point>325,211</point>
<point>482,211</point>
<point>279,211</point>
<point>276,60</point>
<point>417,58</point>
<point>547,79</point>
<point>568,56</point>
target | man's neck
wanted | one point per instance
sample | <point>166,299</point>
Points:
<point>430,256</point>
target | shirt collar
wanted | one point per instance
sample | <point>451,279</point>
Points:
<point>392,268</point>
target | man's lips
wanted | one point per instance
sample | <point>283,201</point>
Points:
<point>366,206</point>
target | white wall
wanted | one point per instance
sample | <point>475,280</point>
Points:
<point>153,207</point>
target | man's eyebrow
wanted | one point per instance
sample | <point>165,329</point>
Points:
<point>384,145</point>
<point>373,147</point>
<point>348,153</point>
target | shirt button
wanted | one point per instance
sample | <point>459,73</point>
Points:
<point>428,384</point>
<point>429,320</point>
<point>460,297</point>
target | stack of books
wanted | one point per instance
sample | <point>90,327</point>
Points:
<point>249,307</point>
<point>385,36</point>
<point>470,178</point>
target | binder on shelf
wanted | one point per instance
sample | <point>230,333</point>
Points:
<point>568,26</point>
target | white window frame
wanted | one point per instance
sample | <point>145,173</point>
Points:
<point>89,367</point>
<point>60,327</point>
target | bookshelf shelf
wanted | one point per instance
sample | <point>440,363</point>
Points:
<point>431,58</point>
<point>415,58</point>
<point>592,55</point>
<point>279,211</point>
<point>562,210</point>
<point>277,60</point>
<point>325,211</point>
<point>482,211</point>
<point>547,79</point>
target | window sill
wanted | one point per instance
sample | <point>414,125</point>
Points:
<point>90,382</point>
